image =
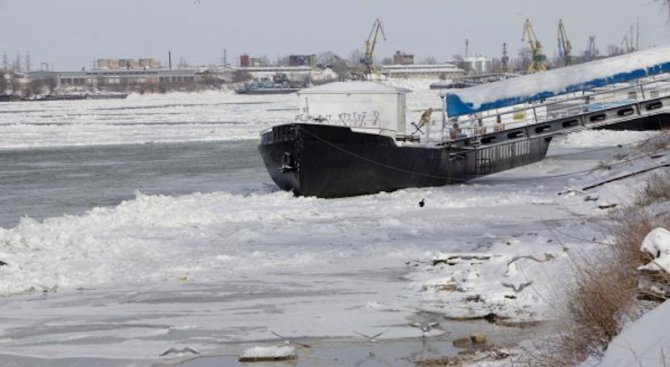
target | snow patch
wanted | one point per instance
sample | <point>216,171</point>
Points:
<point>657,244</point>
<point>268,353</point>
<point>645,342</point>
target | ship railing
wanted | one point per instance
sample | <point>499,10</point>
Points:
<point>569,105</point>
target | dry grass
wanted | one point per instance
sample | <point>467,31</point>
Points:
<point>630,228</point>
<point>659,143</point>
<point>603,297</point>
<point>606,292</point>
<point>467,358</point>
<point>438,362</point>
<point>656,190</point>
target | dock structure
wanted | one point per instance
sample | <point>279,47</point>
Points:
<point>644,105</point>
<point>485,145</point>
<point>629,91</point>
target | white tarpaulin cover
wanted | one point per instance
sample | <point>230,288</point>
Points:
<point>569,79</point>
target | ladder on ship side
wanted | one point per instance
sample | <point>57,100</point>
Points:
<point>482,166</point>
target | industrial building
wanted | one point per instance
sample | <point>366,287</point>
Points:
<point>144,63</point>
<point>434,71</point>
<point>476,64</point>
<point>115,77</point>
<point>249,62</point>
<point>403,58</point>
<point>245,61</point>
<point>302,60</point>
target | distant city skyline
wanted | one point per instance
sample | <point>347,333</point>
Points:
<point>70,34</point>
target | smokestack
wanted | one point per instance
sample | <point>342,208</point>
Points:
<point>170,60</point>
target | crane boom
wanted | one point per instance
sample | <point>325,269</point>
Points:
<point>369,46</point>
<point>537,64</point>
<point>591,50</point>
<point>564,46</point>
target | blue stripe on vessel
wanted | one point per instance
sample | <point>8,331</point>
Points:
<point>457,107</point>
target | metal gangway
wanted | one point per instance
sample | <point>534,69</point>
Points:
<point>596,108</point>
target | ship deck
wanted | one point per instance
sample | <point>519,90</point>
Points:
<point>643,106</point>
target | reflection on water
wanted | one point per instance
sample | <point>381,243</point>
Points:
<point>395,352</point>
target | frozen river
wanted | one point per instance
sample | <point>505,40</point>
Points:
<point>48,182</point>
<point>116,252</point>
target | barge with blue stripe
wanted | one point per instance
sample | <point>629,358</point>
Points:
<point>327,158</point>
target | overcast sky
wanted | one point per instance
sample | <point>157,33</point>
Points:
<point>72,33</point>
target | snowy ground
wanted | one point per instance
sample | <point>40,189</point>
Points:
<point>123,283</point>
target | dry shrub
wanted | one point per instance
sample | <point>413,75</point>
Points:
<point>437,362</point>
<point>656,190</point>
<point>657,143</point>
<point>630,228</point>
<point>604,296</point>
<point>606,288</point>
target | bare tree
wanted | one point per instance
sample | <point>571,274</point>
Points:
<point>614,50</point>
<point>283,61</point>
<point>210,80</point>
<point>387,61</point>
<point>3,83</point>
<point>28,64</point>
<point>461,64</point>
<point>665,4</point>
<point>17,63</point>
<point>327,59</point>
<point>182,63</point>
<point>355,56</point>
<point>331,60</point>
<point>14,83</point>
<point>430,60</point>
<point>35,87</point>
<point>264,61</point>
<point>525,57</point>
<point>240,76</point>
<point>51,84</point>
<point>496,64</point>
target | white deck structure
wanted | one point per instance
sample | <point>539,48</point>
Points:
<point>361,105</point>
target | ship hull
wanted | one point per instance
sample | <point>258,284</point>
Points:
<point>656,122</point>
<point>334,161</point>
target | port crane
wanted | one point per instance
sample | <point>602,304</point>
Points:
<point>369,46</point>
<point>564,46</point>
<point>537,63</point>
<point>591,51</point>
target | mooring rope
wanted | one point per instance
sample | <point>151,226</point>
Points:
<point>567,174</point>
<point>377,163</point>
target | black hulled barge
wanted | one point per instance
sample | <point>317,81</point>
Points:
<point>365,150</point>
<point>351,138</point>
<point>335,161</point>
